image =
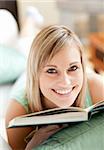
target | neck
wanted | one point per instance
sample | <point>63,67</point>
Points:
<point>47,104</point>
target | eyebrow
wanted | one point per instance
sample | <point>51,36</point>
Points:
<point>76,62</point>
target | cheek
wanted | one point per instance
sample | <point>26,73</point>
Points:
<point>41,84</point>
<point>44,84</point>
<point>80,79</point>
<point>46,81</point>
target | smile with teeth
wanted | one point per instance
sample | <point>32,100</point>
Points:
<point>63,91</point>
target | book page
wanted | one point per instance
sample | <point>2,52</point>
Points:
<point>54,111</point>
<point>98,106</point>
<point>49,119</point>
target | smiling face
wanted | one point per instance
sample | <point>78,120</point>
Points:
<point>61,78</point>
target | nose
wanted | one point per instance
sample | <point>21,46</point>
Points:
<point>65,80</point>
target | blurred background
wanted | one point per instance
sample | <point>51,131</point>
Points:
<point>21,20</point>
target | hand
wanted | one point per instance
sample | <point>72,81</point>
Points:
<point>43,134</point>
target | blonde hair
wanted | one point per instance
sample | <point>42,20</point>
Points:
<point>46,44</point>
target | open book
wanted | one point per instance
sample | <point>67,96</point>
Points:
<point>57,116</point>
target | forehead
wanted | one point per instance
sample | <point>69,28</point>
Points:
<point>69,52</point>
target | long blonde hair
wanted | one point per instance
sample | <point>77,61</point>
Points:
<point>46,44</point>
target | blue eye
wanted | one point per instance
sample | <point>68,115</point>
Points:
<point>51,71</point>
<point>73,68</point>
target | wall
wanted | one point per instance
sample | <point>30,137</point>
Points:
<point>47,8</point>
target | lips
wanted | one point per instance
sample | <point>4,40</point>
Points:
<point>63,91</point>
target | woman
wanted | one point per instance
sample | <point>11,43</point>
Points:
<point>56,77</point>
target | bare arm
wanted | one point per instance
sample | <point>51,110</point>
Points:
<point>16,135</point>
<point>96,85</point>
<point>43,134</point>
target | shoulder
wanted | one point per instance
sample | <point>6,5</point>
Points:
<point>96,86</point>
<point>16,136</point>
<point>14,109</point>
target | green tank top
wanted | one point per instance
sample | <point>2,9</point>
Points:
<point>18,93</point>
<point>88,100</point>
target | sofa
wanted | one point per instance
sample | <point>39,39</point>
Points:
<point>79,136</point>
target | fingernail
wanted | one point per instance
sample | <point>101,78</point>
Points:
<point>65,125</point>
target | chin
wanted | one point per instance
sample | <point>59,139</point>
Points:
<point>65,105</point>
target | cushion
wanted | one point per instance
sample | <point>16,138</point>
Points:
<point>3,144</point>
<point>12,64</point>
<point>81,136</point>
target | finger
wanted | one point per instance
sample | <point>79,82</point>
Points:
<point>55,127</point>
<point>58,128</point>
<point>51,132</point>
<point>64,125</point>
<point>51,128</point>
